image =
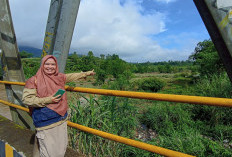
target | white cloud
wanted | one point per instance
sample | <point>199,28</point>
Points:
<point>103,26</point>
<point>29,19</point>
<point>165,1</point>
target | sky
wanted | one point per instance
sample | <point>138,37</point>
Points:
<point>136,30</point>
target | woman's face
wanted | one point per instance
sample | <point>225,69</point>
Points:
<point>50,66</point>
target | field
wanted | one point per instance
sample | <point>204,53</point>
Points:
<point>174,126</point>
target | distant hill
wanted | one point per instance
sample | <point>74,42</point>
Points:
<point>36,52</point>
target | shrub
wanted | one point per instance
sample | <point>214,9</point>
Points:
<point>162,117</point>
<point>151,84</point>
<point>120,83</point>
<point>100,76</point>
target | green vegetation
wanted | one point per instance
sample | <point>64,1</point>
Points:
<point>162,67</point>
<point>24,54</point>
<point>206,59</point>
<point>151,84</point>
<point>193,129</point>
<point>30,66</point>
<point>107,114</point>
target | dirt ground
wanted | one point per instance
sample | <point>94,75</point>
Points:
<point>4,109</point>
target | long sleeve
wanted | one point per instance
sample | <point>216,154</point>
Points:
<point>75,76</point>
<point>30,98</point>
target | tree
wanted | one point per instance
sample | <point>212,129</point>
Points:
<point>73,57</point>
<point>73,62</point>
<point>24,54</point>
<point>90,54</point>
<point>102,56</point>
<point>205,56</point>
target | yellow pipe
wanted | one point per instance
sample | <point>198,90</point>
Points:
<point>156,96</point>
<point>14,105</point>
<point>13,83</point>
<point>212,101</point>
<point>141,145</point>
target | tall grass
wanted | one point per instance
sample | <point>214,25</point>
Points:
<point>109,115</point>
<point>217,120</point>
<point>216,85</point>
<point>177,130</point>
<point>194,129</point>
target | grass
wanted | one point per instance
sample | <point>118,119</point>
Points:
<point>177,130</point>
<point>109,115</point>
<point>192,129</point>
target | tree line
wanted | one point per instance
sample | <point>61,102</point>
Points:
<point>204,60</point>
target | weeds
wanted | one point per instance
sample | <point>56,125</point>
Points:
<point>178,131</point>
<point>109,115</point>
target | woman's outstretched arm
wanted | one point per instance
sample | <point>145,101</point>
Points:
<point>76,76</point>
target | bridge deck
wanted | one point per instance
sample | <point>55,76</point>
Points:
<point>22,139</point>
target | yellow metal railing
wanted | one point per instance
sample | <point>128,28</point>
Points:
<point>140,95</point>
<point>211,101</point>
<point>130,142</point>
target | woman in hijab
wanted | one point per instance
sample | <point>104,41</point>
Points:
<point>49,112</point>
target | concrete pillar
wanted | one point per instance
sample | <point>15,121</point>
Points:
<point>59,30</point>
<point>11,64</point>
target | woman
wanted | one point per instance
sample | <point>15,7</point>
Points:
<point>49,112</point>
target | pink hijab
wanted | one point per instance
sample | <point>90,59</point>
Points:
<point>46,85</point>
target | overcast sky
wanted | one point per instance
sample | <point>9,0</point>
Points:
<point>136,30</point>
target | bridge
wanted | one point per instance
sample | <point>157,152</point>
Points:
<point>216,18</point>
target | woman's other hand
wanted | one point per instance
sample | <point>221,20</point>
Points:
<point>56,98</point>
<point>91,73</point>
